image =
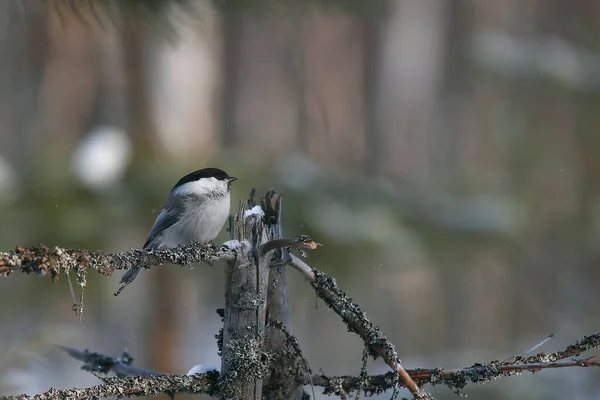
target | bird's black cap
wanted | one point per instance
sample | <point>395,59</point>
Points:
<point>205,173</point>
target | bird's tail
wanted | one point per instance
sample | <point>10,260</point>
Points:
<point>129,275</point>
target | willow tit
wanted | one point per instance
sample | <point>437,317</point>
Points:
<point>195,210</point>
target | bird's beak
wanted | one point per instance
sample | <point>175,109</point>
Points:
<point>231,179</point>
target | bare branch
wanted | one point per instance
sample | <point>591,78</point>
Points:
<point>532,349</point>
<point>303,242</point>
<point>303,268</point>
<point>537,346</point>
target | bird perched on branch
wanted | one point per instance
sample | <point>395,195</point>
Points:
<point>195,210</point>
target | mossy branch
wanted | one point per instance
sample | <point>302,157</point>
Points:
<point>153,383</point>
<point>247,339</point>
<point>57,261</point>
<point>356,320</point>
<point>132,386</point>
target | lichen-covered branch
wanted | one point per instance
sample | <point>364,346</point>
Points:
<point>260,357</point>
<point>356,321</point>
<point>458,378</point>
<point>455,379</point>
<point>136,386</point>
<point>54,262</point>
<point>154,382</point>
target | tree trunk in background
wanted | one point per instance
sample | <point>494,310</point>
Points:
<point>231,33</point>
<point>136,58</point>
<point>296,68</point>
<point>374,23</point>
<point>162,349</point>
<point>71,75</point>
<point>165,325</point>
<point>24,45</point>
<point>452,96</point>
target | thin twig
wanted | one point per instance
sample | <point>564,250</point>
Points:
<point>303,242</point>
<point>80,307</point>
<point>75,305</point>
<point>302,267</point>
<point>531,350</point>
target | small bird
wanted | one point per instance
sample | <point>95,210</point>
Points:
<point>196,209</point>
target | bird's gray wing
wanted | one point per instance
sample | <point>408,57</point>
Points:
<point>168,216</point>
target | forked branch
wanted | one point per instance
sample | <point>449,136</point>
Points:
<point>257,244</point>
<point>356,321</point>
<point>154,383</point>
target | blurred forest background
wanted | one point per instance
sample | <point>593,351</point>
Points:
<point>445,153</point>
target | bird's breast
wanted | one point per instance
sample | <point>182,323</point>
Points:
<point>203,220</point>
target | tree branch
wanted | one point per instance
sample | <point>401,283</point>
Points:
<point>150,385</point>
<point>250,347</point>
<point>455,379</point>
<point>356,321</point>
<point>303,242</point>
<point>43,261</point>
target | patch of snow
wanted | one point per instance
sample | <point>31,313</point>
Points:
<point>200,369</point>
<point>256,210</point>
<point>231,244</point>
